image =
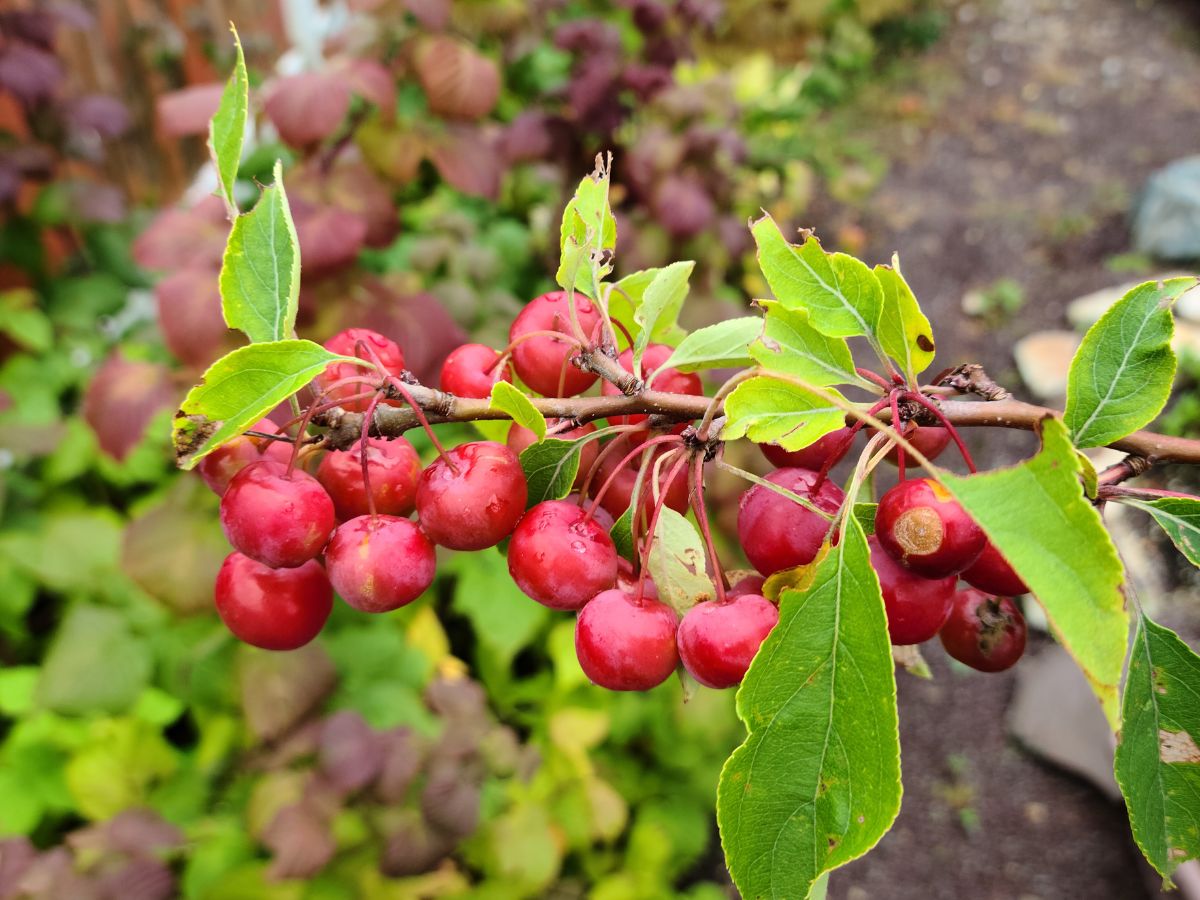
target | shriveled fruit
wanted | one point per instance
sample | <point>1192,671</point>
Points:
<point>835,444</point>
<point>275,609</point>
<point>657,377</point>
<point>992,573</point>
<point>353,342</point>
<point>778,533</point>
<point>543,361</point>
<point>281,520</point>
<point>472,370</point>
<point>984,632</point>
<point>626,643</point>
<point>717,641</point>
<point>561,558</point>
<point>380,563</point>
<point>916,606</point>
<point>474,498</point>
<point>924,528</point>
<point>394,470</point>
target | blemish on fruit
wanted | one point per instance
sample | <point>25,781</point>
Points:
<point>919,531</point>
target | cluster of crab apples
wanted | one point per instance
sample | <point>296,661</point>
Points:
<point>302,532</point>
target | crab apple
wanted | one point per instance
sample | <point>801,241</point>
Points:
<point>620,493</point>
<point>346,343</point>
<point>930,441</point>
<point>627,579</point>
<point>626,643</point>
<point>992,573</point>
<point>748,584</point>
<point>520,437</point>
<point>717,641</point>
<point>380,563</point>
<point>218,468</point>
<point>778,533</point>
<point>834,444</point>
<point>656,376</point>
<point>281,520</point>
<point>916,607</point>
<point>472,370</point>
<point>543,362</point>
<point>473,498</point>
<point>394,469</point>
<point>984,632</point>
<point>923,527</point>
<point>560,557</point>
<point>275,609</point>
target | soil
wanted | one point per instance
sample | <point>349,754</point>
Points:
<point>1017,145</point>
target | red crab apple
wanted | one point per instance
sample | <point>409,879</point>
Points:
<point>394,470</point>
<point>778,533</point>
<point>916,607</point>
<point>619,495</point>
<point>281,520</point>
<point>472,370</point>
<point>543,361</point>
<point>218,468</point>
<point>347,343</point>
<point>984,632</point>
<point>519,438</point>
<point>275,609</point>
<point>930,441</point>
<point>991,573</point>
<point>925,529</point>
<point>717,641</point>
<point>473,498</point>
<point>625,642</point>
<point>561,558</point>
<point>380,563</point>
<point>834,444</point>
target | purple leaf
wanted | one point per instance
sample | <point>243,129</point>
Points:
<point>467,160</point>
<point>107,116</point>
<point>121,399</point>
<point>301,842</point>
<point>459,82</point>
<point>189,315</point>
<point>279,690</point>
<point>308,108</point>
<point>350,754</point>
<point>188,110</point>
<point>30,74</point>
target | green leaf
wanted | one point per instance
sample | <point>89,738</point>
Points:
<point>770,410</point>
<point>507,398</point>
<point>791,346</point>
<point>843,297</point>
<point>550,468</point>
<point>1036,515</point>
<point>23,322</point>
<point>677,562</point>
<point>622,533</point>
<point>865,513</point>
<point>260,273</point>
<point>504,619</point>
<point>817,781</point>
<point>1121,375</point>
<point>242,387</point>
<point>228,127</point>
<point>904,332</point>
<point>1179,518</point>
<point>588,234</point>
<point>661,302</point>
<point>723,345</point>
<point>95,664</point>
<point>1158,761</point>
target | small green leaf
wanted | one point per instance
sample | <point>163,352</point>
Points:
<point>1179,518</point>
<point>904,332</point>
<point>1158,758</point>
<point>770,410</point>
<point>507,398</point>
<point>1038,518</point>
<point>723,345</point>
<point>23,322</point>
<point>817,782</point>
<point>502,617</point>
<point>677,562</point>
<point>260,273</point>
<point>228,127</point>
<point>550,468</point>
<point>843,297</point>
<point>95,664</point>
<point>791,346</point>
<point>661,302</point>
<point>588,234</point>
<point>242,387</point>
<point>622,533</point>
<point>865,513</point>
<point>1121,375</point>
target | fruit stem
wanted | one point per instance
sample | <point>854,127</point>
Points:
<point>832,459</point>
<point>697,492</point>
<point>364,443</point>
<point>894,402</point>
<point>950,429</point>
<point>772,486</point>
<point>874,377</point>
<point>658,507</point>
<point>722,392</point>
<point>625,460</point>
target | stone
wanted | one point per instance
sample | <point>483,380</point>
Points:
<point>1044,359</point>
<point>1084,311</point>
<point>1166,215</point>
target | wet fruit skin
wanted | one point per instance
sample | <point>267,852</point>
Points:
<point>930,441</point>
<point>717,641</point>
<point>542,361</point>
<point>656,377</point>
<point>519,438</point>
<point>811,457</point>
<point>991,573</point>
<point>559,558</point>
<point>279,520</point>
<point>777,533</point>
<point>471,371</point>
<point>984,632</point>
<point>345,343</point>
<point>624,643</point>
<point>275,609</point>
<point>925,529</point>
<point>916,607</point>
<point>476,506</point>
<point>380,563</point>
<point>620,493</point>
<point>394,468</point>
